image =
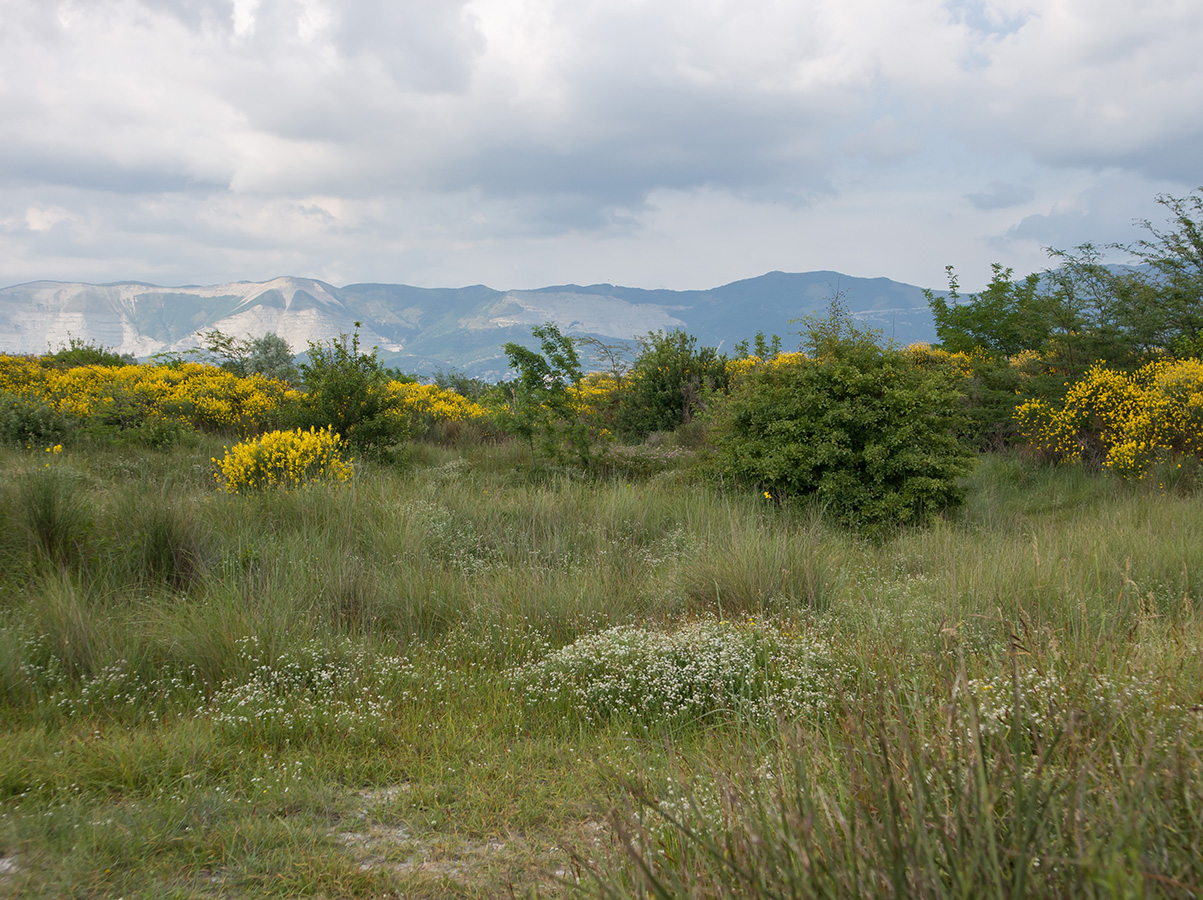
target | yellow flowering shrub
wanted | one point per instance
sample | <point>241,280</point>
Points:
<point>746,364</point>
<point>1130,422</point>
<point>959,362</point>
<point>283,459</point>
<point>418,407</point>
<point>596,400</point>
<point>196,394</point>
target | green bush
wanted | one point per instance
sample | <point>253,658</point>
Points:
<point>345,392</point>
<point>669,384</point>
<point>78,352</point>
<point>29,422</point>
<point>857,426</point>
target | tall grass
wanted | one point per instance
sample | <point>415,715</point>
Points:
<point>56,514</point>
<point>138,600</point>
<point>917,799</point>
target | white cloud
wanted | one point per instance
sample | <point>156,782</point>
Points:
<point>530,141</point>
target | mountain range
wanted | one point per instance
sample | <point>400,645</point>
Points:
<point>422,330</point>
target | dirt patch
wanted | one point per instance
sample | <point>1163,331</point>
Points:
<point>481,865</point>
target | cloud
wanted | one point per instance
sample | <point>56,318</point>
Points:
<point>1095,83</point>
<point>473,135</point>
<point>1109,211</point>
<point>1001,195</point>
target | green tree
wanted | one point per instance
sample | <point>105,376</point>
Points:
<point>272,357</point>
<point>1164,301</point>
<point>855,426</point>
<point>1005,318</point>
<point>269,355</point>
<point>344,389</point>
<point>669,383</point>
<point>1082,311</point>
<point>542,402</point>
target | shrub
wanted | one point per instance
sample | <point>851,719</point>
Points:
<point>669,383</point>
<point>31,422</point>
<point>78,352</point>
<point>346,391</point>
<point>1131,424</point>
<point>283,459</point>
<point>858,427</point>
<point>422,408</point>
<point>685,675</point>
<point>132,396</point>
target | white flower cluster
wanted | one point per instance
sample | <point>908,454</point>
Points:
<point>313,692</point>
<point>693,672</point>
<point>453,538</point>
<point>1041,703</point>
<point>118,685</point>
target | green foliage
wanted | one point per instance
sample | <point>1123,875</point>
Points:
<point>475,389</point>
<point>1002,320</point>
<point>30,422</point>
<point>762,347</point>
<point>1083,311</point>
<point>1163,305</point>
<point>860,428</point>
<point>344,391</point>
<point>79,352</point>
<point>669,384</point>
<point>269,355</point>
<point>835,333</point>
<point>542,403</point>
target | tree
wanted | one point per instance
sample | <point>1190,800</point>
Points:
<point>542,400</point>
<point>1083,311</point>
<point>1165,302</point>
<point>669,383</point>
<point>1007,317</point>
<point>344,389</point>
<point>856,426</point>
<point>269,355</point>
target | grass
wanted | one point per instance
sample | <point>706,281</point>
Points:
<point>461,677</point>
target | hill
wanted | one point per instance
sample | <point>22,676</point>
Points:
<point>424,329</point>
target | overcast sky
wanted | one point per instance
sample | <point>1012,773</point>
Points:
<point>522,143</point>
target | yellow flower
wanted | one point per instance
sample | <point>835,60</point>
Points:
<point>283,458</point>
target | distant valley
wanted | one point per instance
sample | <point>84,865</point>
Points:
<point>422,330</point>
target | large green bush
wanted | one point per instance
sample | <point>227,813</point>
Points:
<point>345,391</point>
<point>30,422</point>
<point>855,425</point>
<point>669,383</point>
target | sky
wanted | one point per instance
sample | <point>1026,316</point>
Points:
<point>650,143</point>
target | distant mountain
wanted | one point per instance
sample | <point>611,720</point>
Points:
<point>424,329</point>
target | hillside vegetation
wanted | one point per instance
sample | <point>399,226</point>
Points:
<point>854,620</point>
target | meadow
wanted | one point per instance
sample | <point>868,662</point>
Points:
<point>461,673</point>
